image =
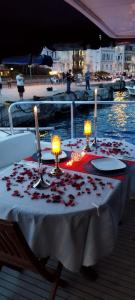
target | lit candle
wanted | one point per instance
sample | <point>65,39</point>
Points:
<point>56,144</point>
<point>37,129</point>
<point>95,108</point>
<point>87,128</point>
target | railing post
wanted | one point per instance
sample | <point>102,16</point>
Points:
<point>72,119</point>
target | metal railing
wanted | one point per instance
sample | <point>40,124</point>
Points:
<point>70,103</point>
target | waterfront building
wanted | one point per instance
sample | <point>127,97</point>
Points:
<point>79,58</point>
<point>107,59</point>
<point>62,60</point>
<point>79,61</point>
<point>48,52</point>
<point>4,72</point>
<point>113,60</point>
<point>92,61</point>
<point>125,59</point>
<point>129,61</point>
<point>100,60</point>
<point>119,59</point>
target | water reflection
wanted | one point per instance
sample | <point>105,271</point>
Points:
<point>120,96</point>
<point>118,112</point>
<point>118,115</point>
<point>117,121</point>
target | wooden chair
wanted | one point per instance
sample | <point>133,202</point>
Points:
<point>15,253</point>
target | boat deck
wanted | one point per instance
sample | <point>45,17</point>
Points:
<point>116,274</point>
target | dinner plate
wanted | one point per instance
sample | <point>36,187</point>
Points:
<point>47,155</point>
<point>108,164</point>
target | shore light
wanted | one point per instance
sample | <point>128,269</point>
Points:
<point>53,73</point>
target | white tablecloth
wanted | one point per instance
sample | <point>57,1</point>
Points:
<point>108,147</point>
<point>105,147</point>
<point>75,235</point>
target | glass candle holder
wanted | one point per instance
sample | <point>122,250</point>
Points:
<point>87,133</point>
<point>56,150</point>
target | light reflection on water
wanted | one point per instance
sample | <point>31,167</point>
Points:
<point>118,115</point>
<point>116,121</point>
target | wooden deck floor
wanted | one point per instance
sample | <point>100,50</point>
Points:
<point>116,274</point>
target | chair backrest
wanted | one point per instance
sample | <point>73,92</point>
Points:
<point>16,147</point>
<point>15,252</point>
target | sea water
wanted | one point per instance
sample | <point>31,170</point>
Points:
<point>114,121</point>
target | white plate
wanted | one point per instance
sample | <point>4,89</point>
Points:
<point>108,164</point>
<point>47,155</point>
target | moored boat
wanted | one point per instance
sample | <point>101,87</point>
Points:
<point>131,90</point>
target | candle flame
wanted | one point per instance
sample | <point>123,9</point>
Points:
<point>96,92</point>
<point>35,109</point>
<point>56,144</point>
<point>87,127</point>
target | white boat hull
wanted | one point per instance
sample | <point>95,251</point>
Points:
<point>131,90</point>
